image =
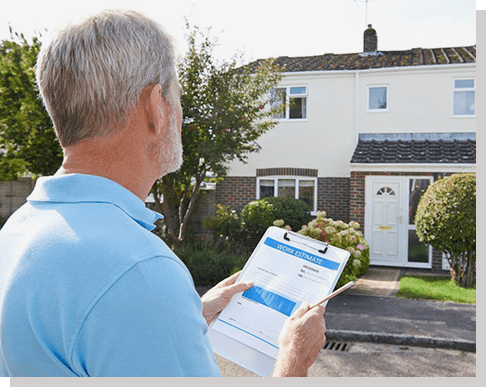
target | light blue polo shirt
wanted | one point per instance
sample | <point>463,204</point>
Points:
<point>87,290</point>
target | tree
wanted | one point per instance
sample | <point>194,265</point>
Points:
<point>446,219</point>
<point>226,109</point>
<point>28,141</point>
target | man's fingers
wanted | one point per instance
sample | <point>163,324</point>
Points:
<point>239,287</point>
<point>318,310</point>
<point>303,308</point>
<point>230,280</point>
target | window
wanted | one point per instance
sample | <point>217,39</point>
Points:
<point>303,188</point>
<point>377,98</point>
<point>291,102</point>
<point>464,96</point>
<point>385,191</point>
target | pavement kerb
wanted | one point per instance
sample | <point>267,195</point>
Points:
<point>408,340</point>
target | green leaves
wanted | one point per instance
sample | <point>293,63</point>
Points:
<point>27,138</point>
<point>446,219</point>
<point>446,214</point>
<point>226,109</point>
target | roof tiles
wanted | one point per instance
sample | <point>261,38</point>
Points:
<point>453,151</point>
<point>380,59</point>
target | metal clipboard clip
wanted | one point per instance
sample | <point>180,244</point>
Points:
<point>322,251</point>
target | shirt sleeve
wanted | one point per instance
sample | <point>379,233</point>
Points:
<point>148,323</point>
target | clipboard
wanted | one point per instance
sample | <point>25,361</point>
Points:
<point>287,269</point>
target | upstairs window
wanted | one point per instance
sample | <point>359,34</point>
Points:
<point>464,96</point>
<point>291,101</point>
<point>377,98</point>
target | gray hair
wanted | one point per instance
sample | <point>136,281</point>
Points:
<point>92,73</point>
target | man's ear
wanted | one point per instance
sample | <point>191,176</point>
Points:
<point>155,109</point>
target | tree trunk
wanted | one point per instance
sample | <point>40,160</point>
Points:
<point>470,270</point>
<point>455,269</point>
<point>177,219</point>
<point>463,269</point>
<point>190,209</point>
<point>168,215</point>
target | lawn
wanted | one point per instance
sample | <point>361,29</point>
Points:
<point>435,288</point>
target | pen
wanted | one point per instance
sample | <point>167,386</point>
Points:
<point>335,293</point>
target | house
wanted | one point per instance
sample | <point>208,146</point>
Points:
<point>362,135</point>
<point>13,195</point>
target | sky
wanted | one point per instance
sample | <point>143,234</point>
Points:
<point>271,28</point>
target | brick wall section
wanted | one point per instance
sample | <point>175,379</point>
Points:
<point>357,198</point>
<point>332,194</point>
<point>287,172</point>
<point>236,191</point>
<point>437,262</point>
<point>333,197</point>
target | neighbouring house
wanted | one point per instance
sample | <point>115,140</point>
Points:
<point>362,135</point>
<point>13,195</point>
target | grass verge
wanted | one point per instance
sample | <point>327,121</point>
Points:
<point>435,288</point>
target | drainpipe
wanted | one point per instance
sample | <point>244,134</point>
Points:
<point>357,107</point>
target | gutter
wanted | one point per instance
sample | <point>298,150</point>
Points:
<point>425,68</point>
<point>408,167</point>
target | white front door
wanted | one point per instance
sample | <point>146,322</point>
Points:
<point>390,207</point>
<point>384,239</point>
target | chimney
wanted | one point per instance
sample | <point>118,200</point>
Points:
<point>370,40</point>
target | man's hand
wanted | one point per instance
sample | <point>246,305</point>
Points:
<point>216,298</point>
<point>300,341</point>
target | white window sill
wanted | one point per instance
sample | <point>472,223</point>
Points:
<point>292,119</point>
<point>377,111</point>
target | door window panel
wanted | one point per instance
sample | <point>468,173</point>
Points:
<point>417,251</point>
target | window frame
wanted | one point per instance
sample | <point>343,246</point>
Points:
<point>288,96</point>
<point>455,89</point>
<point>387,88</point>
<point>297,186</point>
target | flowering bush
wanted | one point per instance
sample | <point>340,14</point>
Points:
<point>446,219</point>
<point>343,235</point>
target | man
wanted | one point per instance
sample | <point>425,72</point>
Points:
<point>85,288</point>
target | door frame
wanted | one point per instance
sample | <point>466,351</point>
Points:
<point>404,226</point>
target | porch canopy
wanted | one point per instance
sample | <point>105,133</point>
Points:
<point>415,148</point>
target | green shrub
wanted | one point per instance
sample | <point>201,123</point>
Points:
<point>446,219</point>
<point>345,236</point>
<point>247,229</point>
<point>294,212</point>
<point>225,224</point>
<point>256,217</point>
<point>210,263</point>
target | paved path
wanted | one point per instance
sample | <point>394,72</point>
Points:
<point>377,281</point>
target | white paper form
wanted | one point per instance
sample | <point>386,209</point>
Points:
<point>286,272</point>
